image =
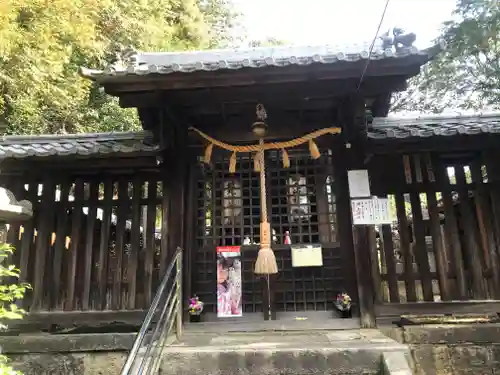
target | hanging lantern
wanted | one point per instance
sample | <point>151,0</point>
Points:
<point>259,127</point>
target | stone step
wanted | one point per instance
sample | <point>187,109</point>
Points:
<point>329,353</point>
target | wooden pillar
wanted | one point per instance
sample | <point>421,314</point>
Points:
<point>363,261</point>
<point>355,241</point>
<point>189,241</point>
<point>174,170</point>
<point>175,179</point>
<point>493,176</point>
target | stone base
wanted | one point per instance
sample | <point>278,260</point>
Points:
<point>287,353</point>
<point>84,363</point>
<point>451,349</point>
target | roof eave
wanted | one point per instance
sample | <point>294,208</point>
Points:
<point>132,73</point>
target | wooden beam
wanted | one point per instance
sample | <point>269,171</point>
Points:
<point>135,245</point>
<point>284,93</point>
<point>451,232</point>
<point>190,243</point>
<point>44,225</point>
<point>388,248</point>
<point>117,302</point>
<point>458,143</point>
<point>88,166</point>
<point>102,280</point>
<point>409,274</point>
<point>420,248</point>
<point>150,243</point>
<point>76,226</point>
<point>452,307</point>
<point>60,246</point>
<point>89,243</point>
<point>73,318</point>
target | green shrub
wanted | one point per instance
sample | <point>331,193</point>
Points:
<point>10,292</point>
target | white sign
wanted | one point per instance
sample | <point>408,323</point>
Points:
<point>307,256</point>
<point>359,183</point>
<point>371,211</point>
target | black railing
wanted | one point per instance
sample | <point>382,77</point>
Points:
<point>165,310</point>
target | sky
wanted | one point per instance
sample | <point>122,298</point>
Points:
<point>318,22</point>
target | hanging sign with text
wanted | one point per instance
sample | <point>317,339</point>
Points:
<point>372,211</point>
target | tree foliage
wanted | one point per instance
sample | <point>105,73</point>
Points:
<point>467,74</point>
<point>10,292</point>
<point>44,42</point>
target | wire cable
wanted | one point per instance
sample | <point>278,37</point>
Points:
<point>372,45</point>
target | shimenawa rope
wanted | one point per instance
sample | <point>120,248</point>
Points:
<point>266,260</point>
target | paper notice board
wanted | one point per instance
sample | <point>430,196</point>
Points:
<point>359,183</point>
<point>307,255</point>
<point>374,211</point>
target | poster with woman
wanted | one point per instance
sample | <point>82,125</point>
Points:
<point>229,288</point>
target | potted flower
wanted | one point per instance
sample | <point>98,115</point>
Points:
<point>343,305</point>
<point>195,309</point>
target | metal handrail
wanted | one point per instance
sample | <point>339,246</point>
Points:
<point>148,362</point>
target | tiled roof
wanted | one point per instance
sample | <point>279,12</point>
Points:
<point>230,59</point>
<point>75,144</point>
<point>429,126</point>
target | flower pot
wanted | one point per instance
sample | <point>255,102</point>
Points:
<point>195,318</point>
<point>345,314</point>
<point>343,311</point>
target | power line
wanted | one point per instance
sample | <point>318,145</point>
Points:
<point>372,45</point>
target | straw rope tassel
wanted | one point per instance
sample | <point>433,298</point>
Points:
<point>256,162</point>
<point>286,158</point>
<point>266,260</point>
<point>232,163</point>
<point>208,153</point>
<point>313,149</point>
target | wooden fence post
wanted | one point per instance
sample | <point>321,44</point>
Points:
<point>363,261</point>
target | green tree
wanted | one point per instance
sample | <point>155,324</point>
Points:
<point>10,292</point>
<point>222,18</point>
<point>43,43</point>
<point>467,74</point>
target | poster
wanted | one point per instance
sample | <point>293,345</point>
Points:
<point>359,183</point>
<point>371,211</point>
<point>229,288</point>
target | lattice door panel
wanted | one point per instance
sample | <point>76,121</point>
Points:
<point>302,198</point>
<point>309,288</point>
<point>302,209</point>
